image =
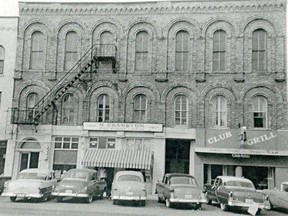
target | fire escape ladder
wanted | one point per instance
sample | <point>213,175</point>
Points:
<point>88,61</point>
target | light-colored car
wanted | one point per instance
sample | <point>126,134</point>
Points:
<point>80,183</point>
<point>129,186</point>
<point>179,188</point>
<point>31,183</point>
<point>236,192</point>
<point>278,198</point>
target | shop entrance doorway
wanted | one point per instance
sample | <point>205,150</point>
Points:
<point>177,156</point>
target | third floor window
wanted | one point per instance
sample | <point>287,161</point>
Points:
<point>259,52</point>
<point>182,51</point>
<point>219,50</point>
<point>141,51</point>
<point>37,51</point>
<point>71,55</point>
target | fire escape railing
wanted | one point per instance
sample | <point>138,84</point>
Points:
<point>98,52</point>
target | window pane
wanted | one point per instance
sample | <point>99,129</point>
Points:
<point>181,112</point>
<point>259,49</point>
<point>71,55</point>
<point>141,49</point>
<point>182,47</point>
<point>37,51</point>
<point>219,50</point>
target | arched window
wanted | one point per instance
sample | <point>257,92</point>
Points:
<point>2,59</point>
<point>68,106</point>
<point>31,100</point>
<point>182,51</point>
<point>37,51</point>
<point>141,49</point>
<point>71,55</point>
<point>259,110</point>
<point>259,50</point>
<point>219,50</point>
<point>140,108</point>
<point>106,41</point>
<point>103,108</point>
<point>181,110</point>
<point>219,114</point>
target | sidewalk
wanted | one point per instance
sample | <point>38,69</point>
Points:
<point>152,197</point>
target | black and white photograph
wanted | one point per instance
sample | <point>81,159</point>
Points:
<point>143,108</point>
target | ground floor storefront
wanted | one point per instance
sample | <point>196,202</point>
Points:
<point>149,148</point>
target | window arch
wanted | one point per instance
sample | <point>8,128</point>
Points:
<point>181,110</point>
<point>182,51</point>
<point>141,51</point>
<point>219,50</point>
<point>2,59</point>
<point>37,51</point>
<point>219,111</point>
<point>68,108</point>
<point>259,110</point>
<point>31,100</point>
<point>259,50</point>
<point>71,55</point>
<point>103,108</point>
<point>140,108</point>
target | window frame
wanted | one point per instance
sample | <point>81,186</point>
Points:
<point>142,109</point>
<point>104,109</point>
<point>181,111</point>
<point>219,50</point>
<point>182,51</point>
<point>258,49</point>
<point>37,51</point>
<point>262,108</point>
<point>2,59</point>
<point>70,108</point>
<point>141,51</point>
<point>219,110</point>
<point>69,51</point>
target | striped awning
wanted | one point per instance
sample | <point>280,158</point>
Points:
<point>118,158</point>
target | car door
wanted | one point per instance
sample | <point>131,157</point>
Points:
<point>94,184</point>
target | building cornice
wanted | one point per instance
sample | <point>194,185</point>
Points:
<point>48,8</point>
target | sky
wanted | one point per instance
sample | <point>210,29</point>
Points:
<point>10,7</point>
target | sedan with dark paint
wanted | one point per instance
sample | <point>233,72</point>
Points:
<point>80,183</point>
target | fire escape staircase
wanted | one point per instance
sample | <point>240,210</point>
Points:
<point>88,63</point>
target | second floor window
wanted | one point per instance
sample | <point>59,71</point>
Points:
<point>32,100</point>
<point>106,41</point>
<point>2,59</point>
<point>182,51</point>
<point>37,51</point>
<point>181,110</point>
<point>259,110</point>
<point>141,49</point>
<point>68,106</point>
<point>259,53</point>
<point>140,108</point>
<point>219,50</point>
<point>219,111</point>
<point>103,108</point>
<point>71,55</point>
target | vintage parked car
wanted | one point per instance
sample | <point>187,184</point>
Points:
<point>278,198</point>
<point>180,188</point>
<point>80,183</point>
<point>31,183</point>
<point>129,186</point>
<point>232,192</point>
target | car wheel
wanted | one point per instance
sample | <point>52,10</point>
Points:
<point>89,199</point>
<point>59,199</point>
<point>13,199</point>
<point>168,203</point>
<point>198,206</point>
<point>223,207</point>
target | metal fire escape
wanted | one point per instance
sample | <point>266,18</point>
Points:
<point>88,63</point>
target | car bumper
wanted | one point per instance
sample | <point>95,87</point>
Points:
<point>136,198</point>
<point>248,205</point>
<point>62,194</point>
<point>23,195</point>
<point>176,200</point>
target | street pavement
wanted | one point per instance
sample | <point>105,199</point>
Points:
<point>70,207</point>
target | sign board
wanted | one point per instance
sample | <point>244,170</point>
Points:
<point>105,126</point>
<point>240,155</point>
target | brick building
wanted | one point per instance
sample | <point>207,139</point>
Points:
<point>196,87</point>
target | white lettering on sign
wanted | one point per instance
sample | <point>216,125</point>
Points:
<point>261,138</point>
<point>219,137</point>
<point>241,155</point>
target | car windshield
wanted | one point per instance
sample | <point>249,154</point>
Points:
<point>240,184</point>
<point>183,180</point>
<point>129,178</point>
<point>76,175</point>
<point>39,176</point>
